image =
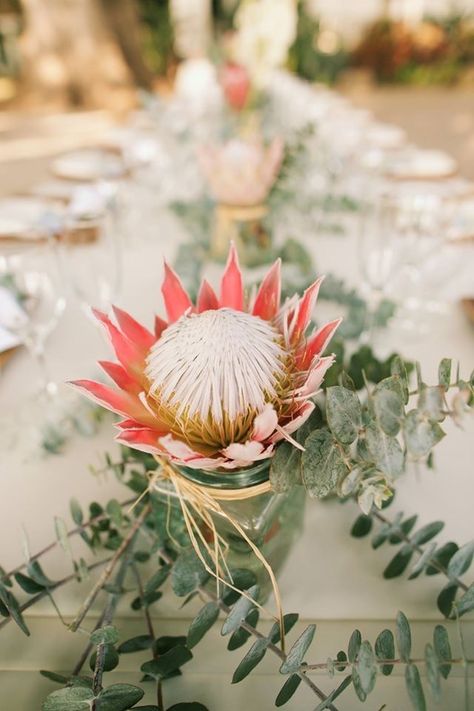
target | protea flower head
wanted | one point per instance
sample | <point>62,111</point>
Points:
<point>221,382</point>
<point>241,172</point>
<point>235,82</point>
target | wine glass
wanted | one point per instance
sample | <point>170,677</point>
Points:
<point>92,241</point>
<point>33,299</point>
<point>376,253</point>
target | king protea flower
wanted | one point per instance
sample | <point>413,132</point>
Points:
<point>242,172</point>
<point>219,383</point>
<point>235,82</point>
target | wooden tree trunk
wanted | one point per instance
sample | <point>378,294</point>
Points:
<point>70,54</point>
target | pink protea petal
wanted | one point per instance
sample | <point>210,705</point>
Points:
<point>121,403</point>
<point>177,449</point>
<point>207,299</point>
<point>145,440</point>
<point>305,307</point>
<point>318,342</point>
<point>120,376</point>
<point>265,423</point>
<point>247,452</point>
<point>128,354</point>
<point>137,333</point>
<point>175,296</point>
<point>267,301</point>
<point>232,289</point>
<point>303,413</point>
<point>316,376</point>
<point>160,325</point>
<point>130,424</point>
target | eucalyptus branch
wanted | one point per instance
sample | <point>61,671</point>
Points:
<point>73,532</point>
<point>341,665</point>
<point>151,632</point>
<point>88,649</point>
<point>108,570</point>
<point>419,549</point>
<point>109,611</point>
<point>209,596</point>
<point>46,592</point>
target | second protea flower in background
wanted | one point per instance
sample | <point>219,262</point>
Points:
<point>240,175</point>
<point>220,383</point>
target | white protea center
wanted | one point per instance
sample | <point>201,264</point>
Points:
<point>216,366</point>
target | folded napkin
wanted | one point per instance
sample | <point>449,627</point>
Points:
<point>11,318</point>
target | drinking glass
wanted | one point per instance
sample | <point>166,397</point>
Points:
<point>376,250</point>
<point>92,242</point>
<point>33,299</point>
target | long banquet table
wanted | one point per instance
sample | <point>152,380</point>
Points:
<point>331,579</point>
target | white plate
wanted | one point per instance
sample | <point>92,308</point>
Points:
<point>417,164</point>
<point>90,164</point>
<point>20,217</point>
<point>385,136</point>
<point>55,190</point>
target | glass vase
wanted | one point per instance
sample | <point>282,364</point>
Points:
<point>244,226</point>
<point>272,521</point>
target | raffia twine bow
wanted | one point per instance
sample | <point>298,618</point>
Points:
<point>198,504</point>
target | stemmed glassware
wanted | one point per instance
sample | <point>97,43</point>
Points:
<point>377,253</point>
<point>91,235</point>
<point>33,299</point>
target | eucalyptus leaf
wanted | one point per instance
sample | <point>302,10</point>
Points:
<point>288,689</point>
<point>343,413</point>
<point>399,371</point>
<point>385,451</point>
<point>446,599</point>
<point>110,658</point>
<point>423,561</point>
<point>240,610</point>
<point>295,656</point>
<point>203,622</point>
<point>442,648</point>
<point>403,636</point>
<point>11,603</point>
<point>74,698</point>
<point>362,526</point>
<point>385,649</point>
<point>157,579</point>
<point>426,533</point>
<point>466,602</point>
<point>444,373</point>
<point>431,402</point>
<point>28,584</point>
<point>285,469</point>
<point>442,557</point>
<point>366,667</point>
<point>107,635</point>
<point>186,706</point>
<point>188,573</point>
<point>421,434</point>
<point>399,563</point>
<point>118,697</point>
<point>461,560</point>
<point>61,534</point>
<point>354,645</point>
<point>432,671</point>
<point>136,644</point>
<point>76,512</point>
<point>289,621</point>
<point>167,663</point>
<point>240,636</point>
<point>322,464</point>
<point>253,657</point>
<point>388,410</point>
<point>414,687</point>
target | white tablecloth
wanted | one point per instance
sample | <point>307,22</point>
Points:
<point>332,579</point>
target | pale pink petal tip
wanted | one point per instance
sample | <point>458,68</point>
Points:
<point>265,423</point>
<point>267,301</point>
